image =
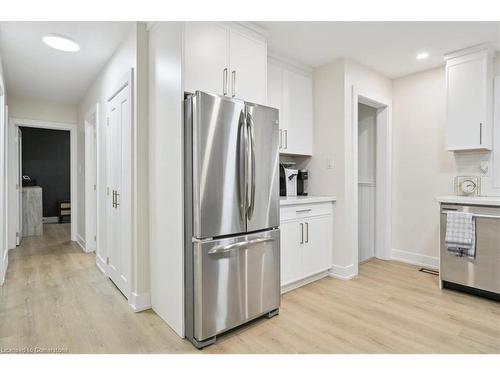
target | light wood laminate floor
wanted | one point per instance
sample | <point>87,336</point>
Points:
<point>55,297</point>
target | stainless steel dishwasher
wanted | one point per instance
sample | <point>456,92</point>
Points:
<point>480,275</point>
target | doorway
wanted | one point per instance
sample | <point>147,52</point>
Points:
<point>42,168</point>
<point>367,155</point>
<point>91,179</point>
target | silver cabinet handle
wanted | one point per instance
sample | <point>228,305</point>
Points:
<point>306,210</point>
<point>281,139</point>
<point>307,232</point>
<point>480,133</point>
<point>301,233</point>
<point>233,83</point>
<point>238,245</point>
<point>224,81</point>
<point>285,133</point>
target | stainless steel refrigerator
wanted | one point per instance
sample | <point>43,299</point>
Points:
<point>232,238</point>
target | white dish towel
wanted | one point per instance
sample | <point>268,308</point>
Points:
<point>461,234</point>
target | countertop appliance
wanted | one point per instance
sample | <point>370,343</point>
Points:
<point>232,243</point>
<point>302,182</point>
<point>480,275</point>
<point>288,181</point>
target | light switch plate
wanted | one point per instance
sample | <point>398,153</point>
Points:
<point>329,163</point>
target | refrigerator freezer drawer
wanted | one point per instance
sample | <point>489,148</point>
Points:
<point>235,280</point>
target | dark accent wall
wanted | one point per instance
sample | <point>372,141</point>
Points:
<point>46,158</point>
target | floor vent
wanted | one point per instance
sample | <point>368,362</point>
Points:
<point>428,270</point>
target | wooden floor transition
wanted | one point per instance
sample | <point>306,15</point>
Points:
<point>54,297</point>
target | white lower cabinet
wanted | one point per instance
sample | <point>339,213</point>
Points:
<point>306,243</point>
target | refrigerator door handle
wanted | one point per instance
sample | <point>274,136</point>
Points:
<point>251,138</point>
<point>242,158</point>
<point>238,245</point>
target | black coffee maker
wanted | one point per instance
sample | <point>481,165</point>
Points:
<point>302,184</point>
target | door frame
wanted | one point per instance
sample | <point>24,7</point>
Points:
<point>383,174</point>
<point>14,124</point>
<point>92,167</point>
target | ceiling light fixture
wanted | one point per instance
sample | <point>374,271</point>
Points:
<point>422,55</point>
<point>61,43</point>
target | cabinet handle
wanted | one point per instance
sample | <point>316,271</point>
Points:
<point>224,81</point>
<point>113,199</point>
<point>233,83</point>
<point>285,132</point>
<point>307,232</point>
<point>480,133</point>
<point>306,210</point>
<point>281,139</point>
<point>301,233</point>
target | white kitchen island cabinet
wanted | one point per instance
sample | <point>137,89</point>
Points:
<point>224,58</point>
<point>306,240</point>
<point>469,100</point>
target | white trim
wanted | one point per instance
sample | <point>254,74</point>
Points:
<point>91,124</point>
<point>289,63</point>
<point>343,273</point>
<point>415,258</point>
<point>73,129</point>
<point>383,175</point>
<point>297,284</point>
<point>139,302</point>
<point>101,264</point>
<point>81,242</point>
<point>4,265</point>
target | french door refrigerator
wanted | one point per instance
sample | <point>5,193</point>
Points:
<point>232,238</point>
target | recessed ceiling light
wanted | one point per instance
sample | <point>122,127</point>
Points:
<point>422,55</point>
<point>60,42</point>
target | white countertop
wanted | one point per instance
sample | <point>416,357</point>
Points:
<point>459,199</point>
<point>305,199</point>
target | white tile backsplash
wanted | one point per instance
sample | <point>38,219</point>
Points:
<point>469,164</point>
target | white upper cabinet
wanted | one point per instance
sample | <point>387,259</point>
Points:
<point>469,95</point>
<point>248,60</point>
<point>225,59</point>
<point>205,57</point>
<point>291,92</point>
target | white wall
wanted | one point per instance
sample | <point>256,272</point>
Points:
<point>422,169</point>
<point>42,110</point>
<point>131,54</point>
<point>166,228</point>
<point>333,127</point>
<point>3,174</point>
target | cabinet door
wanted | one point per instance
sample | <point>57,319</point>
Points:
<point>317,249</point>
<point>297,115</point>
<point>291,252</point>
<point>205,57</point>
<point>275,93</point>
<point>248,68</point>
<point>466,102</point>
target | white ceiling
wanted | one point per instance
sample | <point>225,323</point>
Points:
<point>387,47</point>
<point>33,69</point>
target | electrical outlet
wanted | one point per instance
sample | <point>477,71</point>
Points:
<point>329,163</point>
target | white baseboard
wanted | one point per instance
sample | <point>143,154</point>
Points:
<point>3,269</point>
<point>415,258</point>
<point>101,264</point>
<point>297,284</point>
<point>343,272</point>
<point>140,302</point>
<point>81,242</point>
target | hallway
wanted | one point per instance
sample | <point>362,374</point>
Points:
<point>55,297</point>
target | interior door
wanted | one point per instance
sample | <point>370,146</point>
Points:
<point>263,195</point>
<point>248,61</point>
<point>118,198</point>
<point>205,57</point>
<point>218,166</point>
